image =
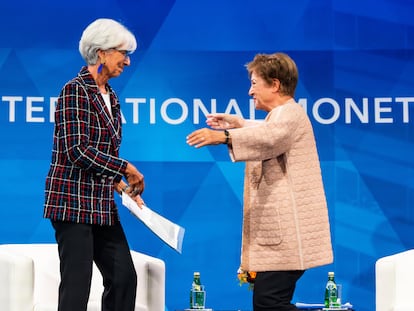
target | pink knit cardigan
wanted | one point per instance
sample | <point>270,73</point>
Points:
<point>285,223</point>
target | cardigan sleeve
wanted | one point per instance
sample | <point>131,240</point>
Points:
<point>268,139</point>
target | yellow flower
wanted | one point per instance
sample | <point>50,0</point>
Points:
<point>246,277</point>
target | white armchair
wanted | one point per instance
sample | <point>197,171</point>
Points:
<point>394,277</point>
<point>29,279</point>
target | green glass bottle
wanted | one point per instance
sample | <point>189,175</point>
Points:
<point>197,293</point>
<point>331,292</point>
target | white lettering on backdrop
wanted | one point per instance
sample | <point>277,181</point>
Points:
<point>175,111</point>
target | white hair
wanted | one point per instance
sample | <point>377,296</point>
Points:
<point>104,34</point>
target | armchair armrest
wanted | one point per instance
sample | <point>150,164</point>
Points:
<point>151,281</point>
<point>17,281</point>
<point>393,281</point>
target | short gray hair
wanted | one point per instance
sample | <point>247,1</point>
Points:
<point>276,66</point>
<point>104,34</point>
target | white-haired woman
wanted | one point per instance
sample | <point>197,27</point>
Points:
<point>86,170</point>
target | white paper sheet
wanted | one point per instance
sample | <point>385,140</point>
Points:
<point>169,232</point>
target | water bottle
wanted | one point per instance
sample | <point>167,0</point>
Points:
<point>331,292</point>
<point>197,293</point>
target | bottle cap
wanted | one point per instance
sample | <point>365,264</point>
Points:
<point>331,273</point>
<point>196,273</point>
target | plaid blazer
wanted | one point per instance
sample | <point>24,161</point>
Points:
<point>85,162</point>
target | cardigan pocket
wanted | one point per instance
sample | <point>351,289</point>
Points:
<point>269,230</point>
<point>269,237</point>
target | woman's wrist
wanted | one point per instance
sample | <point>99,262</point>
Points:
<point>227,137</point>
<point>122,187</point>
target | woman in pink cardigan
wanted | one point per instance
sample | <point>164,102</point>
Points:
<point>285,223</point>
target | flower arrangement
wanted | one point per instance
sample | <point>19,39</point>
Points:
<point>246,277</point>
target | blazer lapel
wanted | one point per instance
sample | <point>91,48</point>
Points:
<point>111,122</point>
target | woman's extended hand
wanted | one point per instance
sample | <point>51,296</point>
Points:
<point>204,137</point>
<point>222,121</point>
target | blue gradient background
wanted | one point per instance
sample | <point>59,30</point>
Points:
<point>197,49</point>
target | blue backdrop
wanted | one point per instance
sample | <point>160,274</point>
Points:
<point>355,60</point>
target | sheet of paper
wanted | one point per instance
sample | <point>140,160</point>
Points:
<point>169,232</point>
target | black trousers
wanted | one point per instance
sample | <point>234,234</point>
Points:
<point>273,290</point>
<point>81,244</point>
